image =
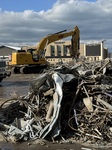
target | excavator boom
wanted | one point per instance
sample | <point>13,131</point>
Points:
<point>60,35</point>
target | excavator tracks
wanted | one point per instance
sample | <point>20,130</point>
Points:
<point>28,69</point>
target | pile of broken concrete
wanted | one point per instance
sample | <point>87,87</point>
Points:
<point>72,102</point>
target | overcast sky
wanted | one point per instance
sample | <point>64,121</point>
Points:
<point>28,21</point>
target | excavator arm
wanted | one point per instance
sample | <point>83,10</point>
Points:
<point>75,33</point>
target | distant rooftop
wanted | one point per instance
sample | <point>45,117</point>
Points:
<point>13,47</point>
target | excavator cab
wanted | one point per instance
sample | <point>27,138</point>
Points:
<point>35,57</point>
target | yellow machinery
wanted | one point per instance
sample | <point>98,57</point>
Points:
<point>33,60</point>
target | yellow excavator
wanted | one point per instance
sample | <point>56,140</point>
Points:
<point>33,60</point>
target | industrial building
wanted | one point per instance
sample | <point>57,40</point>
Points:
<point>93,51</point>
<point>59,51</point>
<point>5,51</point>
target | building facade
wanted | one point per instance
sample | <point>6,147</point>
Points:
<point>60,52</point>
<point>5,51</point>
<point>93,51</point>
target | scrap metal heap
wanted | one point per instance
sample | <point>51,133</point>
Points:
<point>73,102</point>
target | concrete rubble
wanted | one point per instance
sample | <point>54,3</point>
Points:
<point>65,101</point>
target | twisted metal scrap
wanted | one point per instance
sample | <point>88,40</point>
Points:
<point>57,104</point>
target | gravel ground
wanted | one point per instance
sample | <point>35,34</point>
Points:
<point>15,83</point>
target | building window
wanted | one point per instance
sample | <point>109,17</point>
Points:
<point>65,49</point>
<point>52,50</point>
<point>93,50</point>
<point>58,50</point>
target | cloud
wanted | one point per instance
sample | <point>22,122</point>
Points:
<point>94,20</point>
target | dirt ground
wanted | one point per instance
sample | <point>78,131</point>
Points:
<point>20,83</point>
<point>15,83</point>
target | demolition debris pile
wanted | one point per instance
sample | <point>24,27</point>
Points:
<point>73,102</point>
